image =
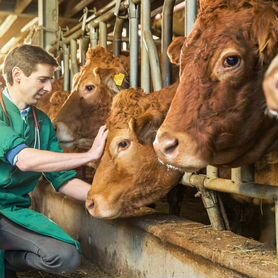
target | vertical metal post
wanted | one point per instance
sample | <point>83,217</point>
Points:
<point>66,67</point>
<point>102,34</point>
<point>117,36</point>
<point>93,36</point>
<point>191,8</point>
<point>145,66</point>
<point>73,57</point>
<point>133,43</point>
<point>48,19</point>
<point>83,46</point>
<point>210,202</point>
<point>167,31</point>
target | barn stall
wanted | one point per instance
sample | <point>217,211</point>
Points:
<point>154,244</point>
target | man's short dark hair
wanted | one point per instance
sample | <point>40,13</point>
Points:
<point>26,57</point>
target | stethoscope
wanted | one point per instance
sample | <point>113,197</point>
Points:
<point>37,143</point>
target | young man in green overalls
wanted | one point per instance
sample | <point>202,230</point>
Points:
<point>28,149</point>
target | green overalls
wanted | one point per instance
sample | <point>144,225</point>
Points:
<point>15,185</point>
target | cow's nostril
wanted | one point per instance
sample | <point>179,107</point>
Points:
<point>90,204</point>
<point>170,145</point>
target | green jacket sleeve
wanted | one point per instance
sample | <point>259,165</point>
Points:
<point>9,139</point>
<point>57,179</point>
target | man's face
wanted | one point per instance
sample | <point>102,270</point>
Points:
<point>33,87</point>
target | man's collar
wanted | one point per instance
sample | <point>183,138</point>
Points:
<point>23,112</point>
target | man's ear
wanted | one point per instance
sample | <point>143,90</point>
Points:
<point>174,50</point>
<point>16,74</point>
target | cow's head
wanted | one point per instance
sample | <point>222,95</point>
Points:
<point>217,115</point>
<point>129,175</point>
<point>87,108</point>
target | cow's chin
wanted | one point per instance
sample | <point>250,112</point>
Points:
<point>184,163</point>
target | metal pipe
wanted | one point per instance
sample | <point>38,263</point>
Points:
<point>90,18</point>
<point>92,24</point>
<point>66,67</point>
<point>191,8</point>
<point>73,57</point>
<point>154,60</point>
<point>84,45</point>
<point>133,43</point>
<point>118,30</point>
<point>249,189</point>
<point>145,66</point>
<point>93,36</point>
<point>211,203</point>
<point>102,34</point>
<point>167,32</point>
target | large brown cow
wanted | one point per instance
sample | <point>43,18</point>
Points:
<point>217,115</point>
<point>129,175</point>
<point>89,104</point>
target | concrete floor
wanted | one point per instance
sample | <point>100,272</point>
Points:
<point>86,270</point>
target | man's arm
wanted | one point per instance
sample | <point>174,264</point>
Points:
<point>45,161</point>
<point>76,189</point>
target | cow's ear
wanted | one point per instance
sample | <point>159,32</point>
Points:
<point>76,80</point>
<point>265,32</point>
<point>146,126</point>
<point>174,49</point>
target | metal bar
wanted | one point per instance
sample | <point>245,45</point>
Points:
<point>191,8</point>
<point>133,43</point>
<point>154,60</point>
<point>211,203</point>
<point>249,189</point>
<point>117,41</point>
<point>48,19</point>
<point>93,36</point>
<point>66,67</point>
<point>102,34</point>
<point>167,32</point>
<point>84,45</point>
<point>73,57</point>
<point>92,24</point>
<point>145,66</point>
<point>90,18</point>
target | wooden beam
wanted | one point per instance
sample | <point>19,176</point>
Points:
<point>70,11</point>
<point>21,5</point>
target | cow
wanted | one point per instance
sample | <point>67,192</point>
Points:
<point>51,103</point>
<point>217,115</point>
<point>88,106</point>
<point>129,175</point>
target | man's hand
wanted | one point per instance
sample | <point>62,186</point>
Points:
<point>99,143</point>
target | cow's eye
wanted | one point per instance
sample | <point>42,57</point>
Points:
<point>90,88</point>
<point>232,61</point>
<point>124,144</point>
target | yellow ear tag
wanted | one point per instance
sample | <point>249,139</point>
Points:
<point>119,79</point>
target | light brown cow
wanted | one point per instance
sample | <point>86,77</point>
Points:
<point>89,104</point>
<point>129,175</point>
<point>217,115</point>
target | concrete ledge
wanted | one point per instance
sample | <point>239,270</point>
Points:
<point>157,245</point>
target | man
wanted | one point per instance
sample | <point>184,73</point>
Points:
<point>28,149</point>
